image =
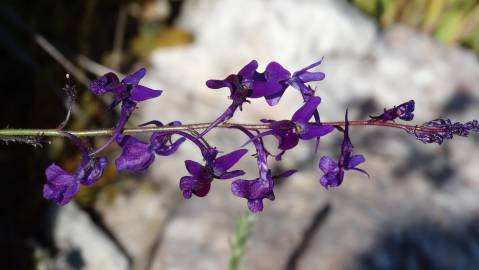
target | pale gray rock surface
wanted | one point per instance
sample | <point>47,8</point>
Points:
<point>82,245</point>
<point>136,215</point>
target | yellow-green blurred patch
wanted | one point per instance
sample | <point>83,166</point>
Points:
<point>450,21</point>
<point>149,40</point>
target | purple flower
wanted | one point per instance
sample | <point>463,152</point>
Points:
<point>402,111</point>
<point>61,186</point>
<point>254,191</point>
<point>334,171</point>
<point>128,92</point>
<point>138,155</point>
<point>288,132</point>
<point>199,182</point>
<point>262,187</point>
<point>249,83</point>
<point>303,76</point>
<point>128,88</point>
<point>438,130</point>
<point>299,80</point>
<point>258,189</point>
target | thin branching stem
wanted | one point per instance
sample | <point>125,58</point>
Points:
<point>189,127</point>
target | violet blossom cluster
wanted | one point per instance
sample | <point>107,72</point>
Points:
<point>305,124</point>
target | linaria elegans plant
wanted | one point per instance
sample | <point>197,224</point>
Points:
<point>137,155</point>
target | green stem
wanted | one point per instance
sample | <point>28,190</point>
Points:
<point>238,244</point>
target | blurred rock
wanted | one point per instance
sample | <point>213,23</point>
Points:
<point>198,235</point>
<point>136,216</point>
<point>82,245</point>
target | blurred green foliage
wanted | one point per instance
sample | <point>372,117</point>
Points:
<point>450,21</point>
<point>240,237</point>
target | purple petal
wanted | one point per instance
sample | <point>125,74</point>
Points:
<point>58,177</point>
<point>194,168</point>
<point>276,72</point>
<point>135,78</point>
<point>61,186</point>
<point>96,170</point>
<point>254,191</point>
<point>209,154</point>
<point>223,163</point>
<point>279,156</point>
<point>303,76</point>
<point>355,161</point>
<point>187,184</point>
<point>287,140</point>
<point>136,155</point>
<point>255,206</point>
<point>332,179</point>
<point>191,185</point>
<point>60,195</point>
<point>275,98</point>
<point>407,116</point>
<point>405,110</point>
<point>104,84</point>
<point>217,84</point>
<point>187,194</point>
<point>328,180</point>
<point>251,189</point>
<point>271,84</point>
<point>232,174</point>
<point>310,131</point>
<point>141,93</point>
<point>327,164</point>
<point>407,106</point>
<point>303,114</point>
<point>305,90</point>
<point>241,188</point>
<point>202,190</point>
<point>311,76</point>
<point>315,64</point>
<point>261,89</point>
<point>249,70</point>
<point>170,149</point>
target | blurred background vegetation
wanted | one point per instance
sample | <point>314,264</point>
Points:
<point>450,21</point>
